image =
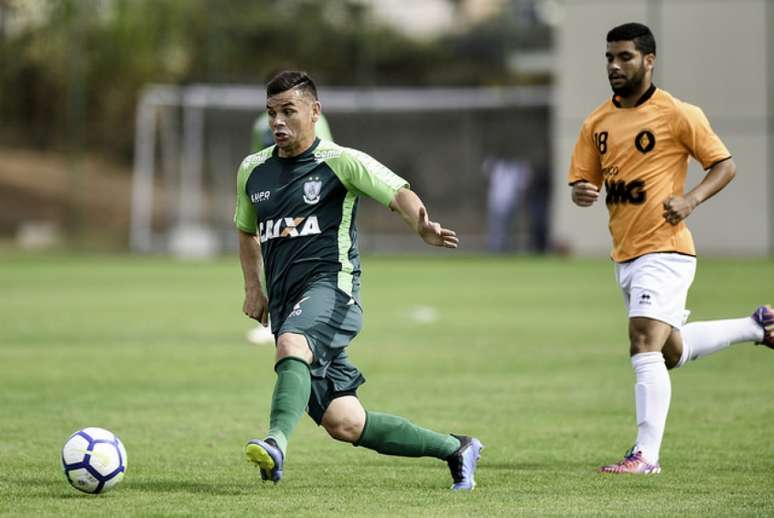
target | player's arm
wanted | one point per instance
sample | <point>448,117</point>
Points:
<point>677,208</point>
<point>363,174</point>
<point>245,220</point>
<point>413,211</point>
<point>255,305</point>
<point>693,130</point>
<point>584,193</point>
<point>585,174</point>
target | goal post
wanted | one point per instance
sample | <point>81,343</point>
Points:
<point>189,141</point>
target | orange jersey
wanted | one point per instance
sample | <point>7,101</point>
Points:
<point>641,155</point>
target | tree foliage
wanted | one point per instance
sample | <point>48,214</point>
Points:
<point>72,69</point>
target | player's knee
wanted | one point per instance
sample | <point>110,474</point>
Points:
<point>638,343</point>
<point>291,344</point>
<point>642,339</point>
<point>344,428</point>
<point>671,357</point>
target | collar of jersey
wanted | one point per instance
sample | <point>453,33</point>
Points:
<point>642,100</point>
<point>309,152</point>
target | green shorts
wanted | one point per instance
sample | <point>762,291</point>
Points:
<point>329,319</point>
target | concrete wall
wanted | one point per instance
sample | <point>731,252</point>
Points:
<point>717,54</point>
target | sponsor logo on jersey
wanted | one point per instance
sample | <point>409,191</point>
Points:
<point>312,189</point>
<point>258,197</point>
<point>288,227</point>
<point>621,191</point>
<point>325,154</point>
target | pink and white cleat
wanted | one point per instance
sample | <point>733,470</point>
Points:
<point>764,316</point>
<point>633,462</point>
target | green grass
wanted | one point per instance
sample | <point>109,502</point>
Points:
<point>529,355</point>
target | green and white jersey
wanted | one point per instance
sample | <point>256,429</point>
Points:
<point>303,210</point>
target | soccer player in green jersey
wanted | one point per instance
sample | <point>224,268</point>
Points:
<point>262,138</point>
<point>295,214</point>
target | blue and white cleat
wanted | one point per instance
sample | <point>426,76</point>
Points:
<point>462,463</point>
<point>267,456</point>
<point>764,316</point>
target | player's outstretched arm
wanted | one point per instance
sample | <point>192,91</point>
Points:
<point>255,305</point>
<point>413,211</point>
<point>677,208</point>
<point>584,194</point>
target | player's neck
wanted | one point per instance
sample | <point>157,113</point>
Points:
<point>630,101</point>
<point>298,148</point>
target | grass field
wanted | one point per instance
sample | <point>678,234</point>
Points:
<point>529,355</point>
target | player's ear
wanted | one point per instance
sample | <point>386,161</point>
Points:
<point>316,110</point>
<point>650,62</point>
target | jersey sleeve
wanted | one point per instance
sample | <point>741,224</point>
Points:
<point>244,212</point>
<point>363,174</point>
<point>585,164</point>
<point>696,134</point>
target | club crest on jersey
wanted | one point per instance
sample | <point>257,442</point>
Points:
<point>288,227</point>
<point>645,141</point>
<point>312,189</point>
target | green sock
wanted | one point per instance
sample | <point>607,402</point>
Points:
<point>291,395</point>
<point>394,435</point>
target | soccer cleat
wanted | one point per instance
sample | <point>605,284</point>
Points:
<point>267,456</point>
<point>462,463</point>
<point>633,462</point>
<point>764,316</point>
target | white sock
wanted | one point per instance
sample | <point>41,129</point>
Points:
<point>701,339</point>
<point>652,393</point>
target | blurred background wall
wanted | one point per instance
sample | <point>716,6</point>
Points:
<point>716,54</point>
<point>76,73</point>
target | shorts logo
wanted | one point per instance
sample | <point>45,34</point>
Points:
<point>312,189</point>
<point>297,308</point>
<point>645,299</point>
<point>645,141</point>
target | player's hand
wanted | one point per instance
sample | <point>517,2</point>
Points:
<point>433,233</point>
<point>256,305</point>
<point>584,194</point>
<point>677,208</point>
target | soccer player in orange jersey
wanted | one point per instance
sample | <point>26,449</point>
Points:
<point>637,145</point>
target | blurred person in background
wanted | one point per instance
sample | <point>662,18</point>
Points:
<point>296,204</point>
<point>637,144</point>
<point>508,179</point>
<point>262,138</point>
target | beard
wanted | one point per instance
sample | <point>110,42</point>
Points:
<point>632,85</point>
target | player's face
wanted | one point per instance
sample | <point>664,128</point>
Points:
<point>292,115</point>
<point>627,68</point>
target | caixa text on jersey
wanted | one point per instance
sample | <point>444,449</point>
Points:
<point>287,227</point>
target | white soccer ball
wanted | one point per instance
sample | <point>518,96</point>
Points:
<point>94,460</point>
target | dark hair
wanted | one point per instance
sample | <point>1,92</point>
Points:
<point>638,33</point>
<point>288,79</point>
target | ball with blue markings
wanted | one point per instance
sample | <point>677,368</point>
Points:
<point>94,460</point>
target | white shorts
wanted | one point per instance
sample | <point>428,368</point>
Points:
<point>656,286</point>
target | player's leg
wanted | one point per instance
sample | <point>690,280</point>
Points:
<point>652,394</point>
<point>655,288</point>
<point>289,399</point>
<point>346,420</point>
<point>699,339</point>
